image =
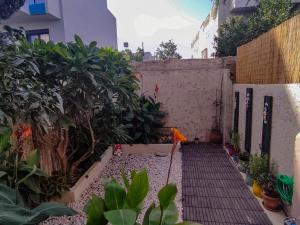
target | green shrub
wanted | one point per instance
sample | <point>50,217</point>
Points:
<point>258,165</point>
<point>145,121</point>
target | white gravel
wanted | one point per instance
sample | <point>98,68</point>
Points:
<point>157,168</point>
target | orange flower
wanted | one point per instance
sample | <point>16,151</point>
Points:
<point>26,131</point>
<point>177,135</point>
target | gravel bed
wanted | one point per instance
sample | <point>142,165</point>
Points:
<point>157,168</point>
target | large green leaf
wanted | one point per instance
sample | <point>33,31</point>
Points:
<point>33,158</point>
<point>167,195</point>
<point>95,209</point>
<point>4,138</point>
<point>137,190</point>
<point>10,196</point>
<point>168,216</point>
<point>121,217</point>
<point>16,215</point>
<point>187,223</point>
<point>115,195</point>
<point>146,220</point>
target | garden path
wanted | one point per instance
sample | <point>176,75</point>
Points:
<point>213,190</point>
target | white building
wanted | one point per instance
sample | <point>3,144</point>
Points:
<point>203,42</point>
<point>60,20</point>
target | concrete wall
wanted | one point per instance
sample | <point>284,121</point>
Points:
<point>285,121</point>
<point>187,91</point>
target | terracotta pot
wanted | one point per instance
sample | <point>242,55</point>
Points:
<point>215,137</point>
<point>271,203</point>
<point>257,190</point>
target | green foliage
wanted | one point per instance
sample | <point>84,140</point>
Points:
<point>235,141</point>
<point>237,31</point>
<point>8,7</point>
<point>95,209</point>
<point>13,212</point>
<point>145,121</point>
<point>232,33</point>
<point>73,86</point>
<point>269,14</point>
<point>100,212</point>
<point>167,50</point>
<point>258,165</point>
<point>4,139</point>
<point>131,56</point>
<point>25,176</point>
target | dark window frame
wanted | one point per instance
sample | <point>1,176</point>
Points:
<point>37,32</point>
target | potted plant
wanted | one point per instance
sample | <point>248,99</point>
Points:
<point>257,166</point>
<point>235,141</point>
<point>270,196</point>
<point>196,141</point>
<point>243,161</point>
<point>249,178</point>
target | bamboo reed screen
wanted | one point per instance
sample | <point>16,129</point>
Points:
<point>272,58</point>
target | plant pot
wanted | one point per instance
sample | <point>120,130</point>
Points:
<point>215,137</point>
<point>257,190</point>
<point>242,166</point>
<point>231,151</point>
<point>234,158</point>
<point>249,180</point>
<point>271,203</point>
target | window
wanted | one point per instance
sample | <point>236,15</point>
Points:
<point>43,34</point>
<point>204,54</point>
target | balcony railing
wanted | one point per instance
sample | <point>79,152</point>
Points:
<point>244,5</point>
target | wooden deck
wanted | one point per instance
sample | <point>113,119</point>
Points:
<point>214,192</point>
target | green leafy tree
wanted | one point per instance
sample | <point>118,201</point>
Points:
<point>131,56</point>
<point>237,31</point>
<point>269,14</point>
<point>232,34</point>
<point>167,50</point>
<point>8,7</point>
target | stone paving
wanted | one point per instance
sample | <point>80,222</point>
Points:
<point>214,192</point>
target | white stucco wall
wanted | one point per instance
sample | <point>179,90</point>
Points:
<point>91,20</point>
<point>187,91</point>
<point>285,121</point>
<point>206,36</point>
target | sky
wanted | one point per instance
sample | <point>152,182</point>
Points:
<point>153,21</point>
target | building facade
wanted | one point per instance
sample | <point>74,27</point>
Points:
<point>203,43</point>
<point>60,20</point>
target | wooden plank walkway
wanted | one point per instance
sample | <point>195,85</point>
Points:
<point>214,192</point>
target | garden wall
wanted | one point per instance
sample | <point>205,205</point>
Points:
<point>285,121</point>
<point>272,58</point>
<point>187,90</point>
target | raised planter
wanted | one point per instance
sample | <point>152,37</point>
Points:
<point>148,149</point>
<point>88,177</point>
